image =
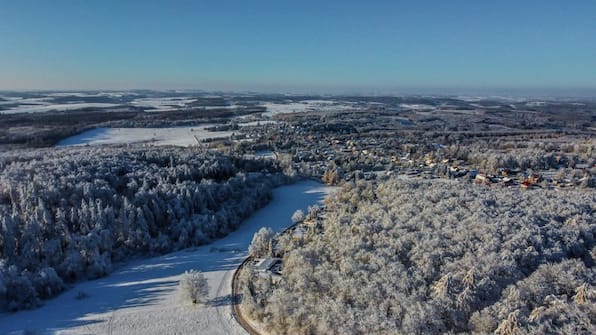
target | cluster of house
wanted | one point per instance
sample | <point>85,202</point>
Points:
<point>548,179</point>
<point>370,157</point>
<point>583,174</point>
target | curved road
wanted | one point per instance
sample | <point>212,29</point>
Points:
<point>236,312</point>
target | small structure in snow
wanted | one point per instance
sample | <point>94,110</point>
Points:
<point>266,264</point>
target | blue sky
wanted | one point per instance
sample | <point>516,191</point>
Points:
<point>335,46</point>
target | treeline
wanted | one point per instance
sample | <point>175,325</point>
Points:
<point>436,257</point>
<point>537,158</point>
<point>69,214</point>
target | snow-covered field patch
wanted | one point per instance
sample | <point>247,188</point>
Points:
<point>164,104</point>
<point>142,297</point>
<point>40,107</point>
<point>180,136</point>
<point>417,107</point>
<point>89,95</point>
<point>16,102</point>
<point>305,106</point>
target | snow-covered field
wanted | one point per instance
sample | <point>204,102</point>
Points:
<point>418,107</point>
<point>305,106</point>
<point>89,95</point>
<point>168,104</point>
<point>40,107</point>
<point>23,101</point>
<point>163,104</point>
<point>68,101</point>
<point>142,297</point>
<point>78,100</point>
<point>180,136</point>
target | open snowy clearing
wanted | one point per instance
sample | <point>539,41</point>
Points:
<point>180,136</point>
<point>142,297</point>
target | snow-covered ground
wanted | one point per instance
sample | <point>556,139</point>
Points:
<point>276,108</point>
<point>168,104</point>
<point>142,297</point>
<point>265,154</point>
<point>257,123</point>
<point>89,95</point>
<point>40,105</point>
<point>16,104</point>
<point>163,104</point>
<point>419,107</point>
<point>17,101</point>
<point>305,106</point>
<point>180,136</point>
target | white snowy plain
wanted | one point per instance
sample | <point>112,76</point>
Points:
<point>142,297</point>
<point>180,136</point>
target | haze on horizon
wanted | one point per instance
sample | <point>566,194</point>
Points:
<point>543,47</point>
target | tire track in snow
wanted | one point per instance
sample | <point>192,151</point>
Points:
<point>220,294</point>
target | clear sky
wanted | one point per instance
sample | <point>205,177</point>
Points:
<point>302,45</point>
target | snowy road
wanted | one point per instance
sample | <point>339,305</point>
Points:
<point>142,297</point>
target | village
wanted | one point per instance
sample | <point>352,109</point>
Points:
<point>345,153</point>
<point>338,148</point>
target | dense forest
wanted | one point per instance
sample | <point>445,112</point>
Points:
<point>70,214</point>
<point>435,257</point>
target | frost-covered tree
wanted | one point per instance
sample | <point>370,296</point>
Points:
<point>76,211</point>
<point>298,216</point>
<point>261,243</point>
<point>437,257</point>
<point>194,286</point>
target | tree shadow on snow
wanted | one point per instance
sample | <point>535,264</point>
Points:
<point>227,300</point>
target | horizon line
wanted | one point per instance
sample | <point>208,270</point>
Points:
<point>558,92</point>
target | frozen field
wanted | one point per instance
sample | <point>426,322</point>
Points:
<point>180,136</point>
<point>305,106</point>
<point>142,297</point>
